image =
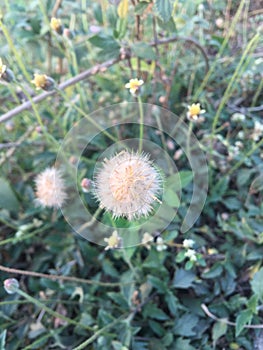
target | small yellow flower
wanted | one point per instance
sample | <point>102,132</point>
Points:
<point>134,85</point>
<point>39,80</point>
<point>2,68</point>
<point>113,241</point>
<point>56,25</point>
<point>42,81</point>
<point>194,112</point>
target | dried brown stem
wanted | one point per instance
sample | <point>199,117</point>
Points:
<point>72,81</point>
<point>186,39</point>
<point>57,277</point>
<point>225,320</point>
<point>56,7</point>
<point>93,71</point>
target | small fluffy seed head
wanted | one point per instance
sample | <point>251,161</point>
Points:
<point>50,188</point>
<point>127,185</point>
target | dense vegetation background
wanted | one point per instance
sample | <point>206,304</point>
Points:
<point>154,296</point>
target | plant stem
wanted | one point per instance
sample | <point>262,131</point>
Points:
<point>141,124</point>
<point>250,47</point>
<point>60,277</point>
<point>97,334</point>
<point>222,48</point>
<point>50,311</point>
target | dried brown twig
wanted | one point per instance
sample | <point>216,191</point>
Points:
<point>72,81</point>
<point>93,71</point>
<point>58,277</point>
<point>225,320</point>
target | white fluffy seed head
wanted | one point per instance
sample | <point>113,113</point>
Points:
<point>127,185</point>
<point>50,188</point>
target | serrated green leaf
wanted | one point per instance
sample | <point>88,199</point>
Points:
<point>243,318</point>
<point>183,279</point>
<point>257,285</point>
<point>185,325</point>
<point>163,8</point>
<point>179,180</point>
<point>218,330</point>
<point>144,51</point>
<point>170,197</point>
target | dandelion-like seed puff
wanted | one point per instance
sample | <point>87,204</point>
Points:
<point>127,185</point>
<point>50,188</point>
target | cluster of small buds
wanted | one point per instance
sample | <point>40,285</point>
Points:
<point>238,117</point>
<point>190,253</point>
<point>42,81</point>
<point>194,113</point>
<point>5,73</point>
<point>114,241</point>
<point>160,245</point>
<point>134,85</point>
<point>188,243</point>
<point>257,132</point>
<point>147,239</point>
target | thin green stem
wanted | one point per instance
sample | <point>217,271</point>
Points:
<point>43,338</point>
<point>250,47</point>
<point>257,93</point>
<point>14,50</point>
<point>128,261</point>
<point>23,237</point>
<point>222,48</point>
<point>141,124</point>
<point>245,157</point>
<point>97,334</point>
<point>50,311</point>
<point>91,120</point>
<point>188,145</point>
<point>92,221</point>
<point>49,137</point>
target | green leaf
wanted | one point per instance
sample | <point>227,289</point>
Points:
<point>243,318</point>
<point>157,328</point>
<point>144,51</point>
<point>8,199</point>
<point>139,9</point>
<point>218,330</point>
<point>253,303</point>
<point>2,339</point>
<point>170,197</point>
<point>110,47</point>
<point>232,203</point>
<point>215,271</point>
<point>179,180</point>
<point>157,283</point>
<point>172,303</point>
<point>152,311</point>
<point>257,285</point>
<point>183,344</point>
<point>183,279</point>
<point>185,325</point>
<point>163,8</point>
